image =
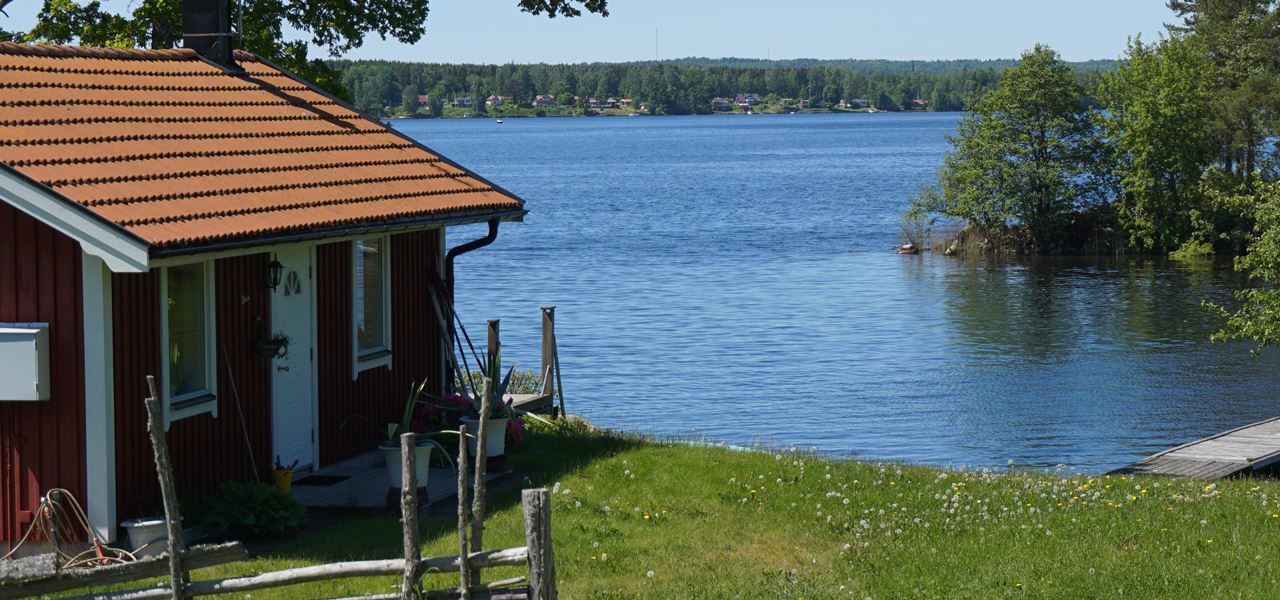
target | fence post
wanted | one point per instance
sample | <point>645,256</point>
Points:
<point>464,574</point>
<point>494,348</point>
<point>537,535</point>
<point>164,470</point>
<point>478,488</point>
<point>551,354</point>
<point>409,514</point>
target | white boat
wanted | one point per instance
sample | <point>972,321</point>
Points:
<point>499,121</point>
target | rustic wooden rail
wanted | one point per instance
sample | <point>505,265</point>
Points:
<point>55,580</point>
<point>177,563</point>
<point>1239,451</point>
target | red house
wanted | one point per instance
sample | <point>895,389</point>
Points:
<point>181,213</point>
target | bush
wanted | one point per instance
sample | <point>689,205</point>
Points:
<point>251,511</point>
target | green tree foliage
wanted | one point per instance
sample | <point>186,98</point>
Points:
<point>1239,38</point>
<point>1158,101</point>
<point>1028,154</point>
<point>409,99</point>
<point>1257,319</point>
<point>337,26</point>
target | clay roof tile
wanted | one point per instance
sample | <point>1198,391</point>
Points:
<point>184,154</point>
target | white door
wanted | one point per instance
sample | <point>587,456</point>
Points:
<point>292,397</point>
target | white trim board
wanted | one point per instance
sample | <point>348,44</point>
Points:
<point>121,252</point>
<point>99,398</point>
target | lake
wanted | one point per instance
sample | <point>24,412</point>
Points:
<point>733,278</point>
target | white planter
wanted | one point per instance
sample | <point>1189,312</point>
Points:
<point>395,471</point>
<point>495,436</point>
<point>147,536</point>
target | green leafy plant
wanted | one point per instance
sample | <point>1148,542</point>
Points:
<point>251,511</point>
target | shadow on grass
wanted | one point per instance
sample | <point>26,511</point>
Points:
<point>547,455</point>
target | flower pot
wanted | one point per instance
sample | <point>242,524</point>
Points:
<point>395,471</point>
<point>495,436</point>
<point>147,536</point>
<point>283,480</point>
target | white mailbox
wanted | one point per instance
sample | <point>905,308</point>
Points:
<point>24,362</point>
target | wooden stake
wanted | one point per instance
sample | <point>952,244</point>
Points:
<point>164,470</point>
<point>492,365</point>
<point>482,459</point>
<point>409,514</point>
<point>537,535</point>
<point>464,573</point>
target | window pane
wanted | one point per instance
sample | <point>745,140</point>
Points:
<point>368,300</point>
<point>186,330</point>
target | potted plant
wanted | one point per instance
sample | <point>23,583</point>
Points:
<point>502,415</point>
<point>283,476</point>
<point>391,447</point>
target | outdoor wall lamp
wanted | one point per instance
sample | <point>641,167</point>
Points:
<point>274,271</point>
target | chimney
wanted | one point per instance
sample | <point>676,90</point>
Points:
<point>206,28</point>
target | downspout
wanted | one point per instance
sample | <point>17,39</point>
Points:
<point>449,257</point>
<point>457,251</point>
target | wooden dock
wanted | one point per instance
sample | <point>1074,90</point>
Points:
<point>1241,451</point>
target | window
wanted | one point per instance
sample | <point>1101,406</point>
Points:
<point>371,303</point>
<point>187,331</point>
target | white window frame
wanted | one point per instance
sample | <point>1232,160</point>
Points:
<point>380,356</point>
<point>201,401</point>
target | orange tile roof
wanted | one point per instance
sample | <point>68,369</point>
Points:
<point>183,154</point>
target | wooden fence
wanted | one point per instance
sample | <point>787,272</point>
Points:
<point>471,560</point>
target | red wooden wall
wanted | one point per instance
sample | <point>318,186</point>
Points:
<point>206,451</point>
<point>41,443</point>
<point>377,396</point>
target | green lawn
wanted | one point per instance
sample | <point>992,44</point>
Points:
<point>636,519</point>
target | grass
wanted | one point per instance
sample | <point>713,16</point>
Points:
<point>642,519</point>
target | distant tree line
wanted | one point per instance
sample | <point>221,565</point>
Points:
<point>675,87</point>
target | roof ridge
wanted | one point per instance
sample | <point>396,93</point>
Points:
<point>61,51</point>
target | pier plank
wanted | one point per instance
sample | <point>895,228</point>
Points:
<point>1234,452</point>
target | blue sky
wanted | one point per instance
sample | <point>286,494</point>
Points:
<point>495,31</point>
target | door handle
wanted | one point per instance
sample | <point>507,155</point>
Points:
<point>282,368</point>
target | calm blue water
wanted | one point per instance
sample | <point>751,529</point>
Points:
<point>732,277</point>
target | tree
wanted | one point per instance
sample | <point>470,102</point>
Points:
<point>1258,317</point>
<point>1158,100</point>
<point>1238,37</point>
<point>337,26</point>
<point>1027,155</point>
<point>409,99</point>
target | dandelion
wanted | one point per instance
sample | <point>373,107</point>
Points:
<point>649,574</point>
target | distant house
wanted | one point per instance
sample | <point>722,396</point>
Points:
<point>626,102</point>
<point>855,103</point>
<point>424,99</point>
<point>814,103</point>
<point>463,102</point>
<point>745,100</point>
<point>721,104</point>
<point>919,104</point>
<point>595,102</point>
<point>544,100</point>
<point>495,100</point>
